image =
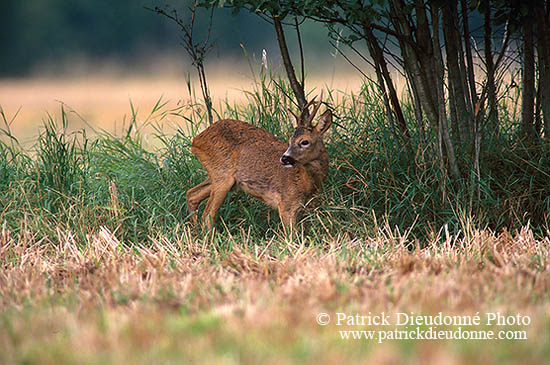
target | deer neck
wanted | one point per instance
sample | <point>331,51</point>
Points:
<point>318,169</point>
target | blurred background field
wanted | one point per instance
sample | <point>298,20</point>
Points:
<point>105,100</point>
<point>97,57</point>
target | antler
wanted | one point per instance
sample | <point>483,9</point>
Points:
<point>315,108</point>
<point>300,119</point>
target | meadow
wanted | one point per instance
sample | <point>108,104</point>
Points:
<point>100,263</point>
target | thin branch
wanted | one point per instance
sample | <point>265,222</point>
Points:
<point>300,47</point>
<point>297,88</point>
<point>351,62</point>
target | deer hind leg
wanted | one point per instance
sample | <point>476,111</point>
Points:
<point>195,196</point>
<point>218,191</point>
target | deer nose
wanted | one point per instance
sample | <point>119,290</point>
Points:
<point>287,161</point>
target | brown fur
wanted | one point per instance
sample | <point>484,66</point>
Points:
<point>237,154</point>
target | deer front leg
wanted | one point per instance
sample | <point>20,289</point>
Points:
<point>288,212</point>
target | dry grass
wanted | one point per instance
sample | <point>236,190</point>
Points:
<point>185,300</point>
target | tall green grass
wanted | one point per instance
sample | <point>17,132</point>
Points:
<point>74,182</point>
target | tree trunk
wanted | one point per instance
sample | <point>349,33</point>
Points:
<point>468,47</point>
<point>414,68</point>
<point>453,120</point>
<point>418,113</point>
<point>491,86</point>
<point>377,54</point>
<point>425,47</point>
<point>297,88</point>
<point>384,92</point>
<point>443,127</point>
<point>543,50</point>
<point>538,105</point>
<point>456,77</point>
<point>528,100</point>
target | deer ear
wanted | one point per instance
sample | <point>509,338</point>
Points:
<point>325,120</point>
<point>293,119</point>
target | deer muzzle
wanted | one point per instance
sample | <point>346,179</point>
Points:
<point>287,161</point>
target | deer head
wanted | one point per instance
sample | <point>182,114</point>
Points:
<point>306,144</point>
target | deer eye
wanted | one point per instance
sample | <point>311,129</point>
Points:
<point>304,143</point>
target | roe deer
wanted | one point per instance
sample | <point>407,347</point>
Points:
<point>238,154</point>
